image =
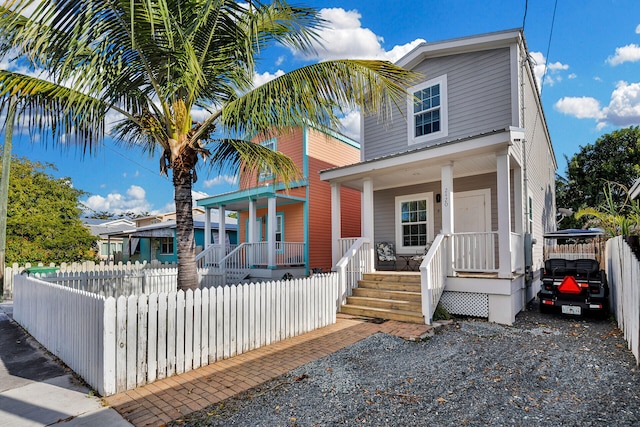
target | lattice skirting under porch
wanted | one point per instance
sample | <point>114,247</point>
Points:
<point>466,303</point>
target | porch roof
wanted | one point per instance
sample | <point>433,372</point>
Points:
<point>470,156</point>
<point>239,200</point>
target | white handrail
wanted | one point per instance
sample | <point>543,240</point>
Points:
<point>433,276</point>
<point>355,262</point>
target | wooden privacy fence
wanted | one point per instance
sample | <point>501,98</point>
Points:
<point>120,344</point>
<point>623,272</point>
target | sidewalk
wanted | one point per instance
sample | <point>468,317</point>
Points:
<point>171,398</point>
<point>36,390</point>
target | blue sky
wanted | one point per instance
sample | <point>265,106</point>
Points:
<point>591,51</point>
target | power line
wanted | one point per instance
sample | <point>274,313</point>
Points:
<point>524,18</point>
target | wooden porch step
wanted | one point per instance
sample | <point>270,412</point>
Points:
<point>382,313</point>
<point>389,304</point>
<point>388,294</point>
<point>408,277</point>
<point>388,285</point>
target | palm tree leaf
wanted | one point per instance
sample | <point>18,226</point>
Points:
<point>319,94</point>
<point>248,158</point>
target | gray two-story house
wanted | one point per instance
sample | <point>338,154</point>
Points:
<point>461,184</point>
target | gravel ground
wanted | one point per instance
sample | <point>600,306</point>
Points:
<point>543,370</point>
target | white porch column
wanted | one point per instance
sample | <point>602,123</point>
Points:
<point>271,233</point>
<point>446,178</point>
<point>222,231</point>
<point>336,223</point>
<point>367,216</point>
<point>504,214</point>
<point>251,227</point>
<point>207,227</point>
<point>446,199</point>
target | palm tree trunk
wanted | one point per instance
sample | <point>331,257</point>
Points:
<point>187,272</point>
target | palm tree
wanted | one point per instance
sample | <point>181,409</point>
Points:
<point>154,64</point>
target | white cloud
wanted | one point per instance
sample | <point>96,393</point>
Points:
<point>220,179</point>
<point>628,53</point>
<point>572,76</point>
<point>581,107</point>
<point>351,125</point>
<point>260,79</point>
<point>134,200</point>
<point>623,109</point>
<point>552,70</point>
<point>638,29</point>
<point>344,37</point>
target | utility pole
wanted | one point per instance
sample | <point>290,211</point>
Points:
<point>4,186</point>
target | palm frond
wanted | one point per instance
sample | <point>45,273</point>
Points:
<point>319,94</point>
<point>248,158</point>
<point>48,107</point>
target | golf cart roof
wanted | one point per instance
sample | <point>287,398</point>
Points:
<point>573,233</point>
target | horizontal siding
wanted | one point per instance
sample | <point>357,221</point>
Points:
<point>289,143</point>
<point>384,203</point>
<point>330,150</point>
<point>479,98</point>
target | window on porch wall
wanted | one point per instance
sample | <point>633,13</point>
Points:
<point>413,222</point>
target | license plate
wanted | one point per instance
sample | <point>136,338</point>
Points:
<point>571,309</point>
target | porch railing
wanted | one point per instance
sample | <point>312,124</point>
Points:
<point>433,276</point>
<point>355,261</point>
<point>211,255</point>
<point>475,252</point>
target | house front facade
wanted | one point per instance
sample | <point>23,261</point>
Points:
<point>465,173</point>
<point>287,229</point>
<point>154,238</point>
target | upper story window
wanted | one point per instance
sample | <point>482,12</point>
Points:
<point>427,103</point>
<point>266,173</point>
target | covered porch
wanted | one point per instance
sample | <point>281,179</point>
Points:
<point>465,202</point>
<point>263,252</point>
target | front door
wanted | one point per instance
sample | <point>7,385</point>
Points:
<point>474,251</point>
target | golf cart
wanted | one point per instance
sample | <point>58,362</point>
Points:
<point>572,279</point>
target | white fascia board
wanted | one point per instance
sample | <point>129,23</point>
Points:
<point>459,45</point>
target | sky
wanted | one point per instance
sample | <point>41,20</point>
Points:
<point>587,56</point>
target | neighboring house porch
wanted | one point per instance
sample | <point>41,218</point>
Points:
<point>272,237</point>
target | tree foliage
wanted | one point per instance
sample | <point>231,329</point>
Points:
<point>614,157</point>
<point>614,217</point>
<point>43,217</point>
<point>154,63</point>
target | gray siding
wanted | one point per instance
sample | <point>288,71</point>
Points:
<point>384,203</point>
<point>479,97</point>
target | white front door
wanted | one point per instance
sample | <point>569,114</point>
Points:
<point>474,251</point>
<point>472,211</point>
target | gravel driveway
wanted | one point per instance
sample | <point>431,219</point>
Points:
<point>544,370</point>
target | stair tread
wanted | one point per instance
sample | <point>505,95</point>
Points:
<point>382,310</point>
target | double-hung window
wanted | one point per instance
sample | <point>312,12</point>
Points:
<point>427,103</point>
<point>166,245</point>
<point>266,173</point>
<point>413,222</point>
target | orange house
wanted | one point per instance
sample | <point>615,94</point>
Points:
<point>287,230</point>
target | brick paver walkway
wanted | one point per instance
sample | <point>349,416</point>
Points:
<point>170,398</point>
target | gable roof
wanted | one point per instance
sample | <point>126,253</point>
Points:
<point>460,45</point>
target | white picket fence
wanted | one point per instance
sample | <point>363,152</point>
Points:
<point>120,344</point>
<point>623,272</point>
<point>134,280</point>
